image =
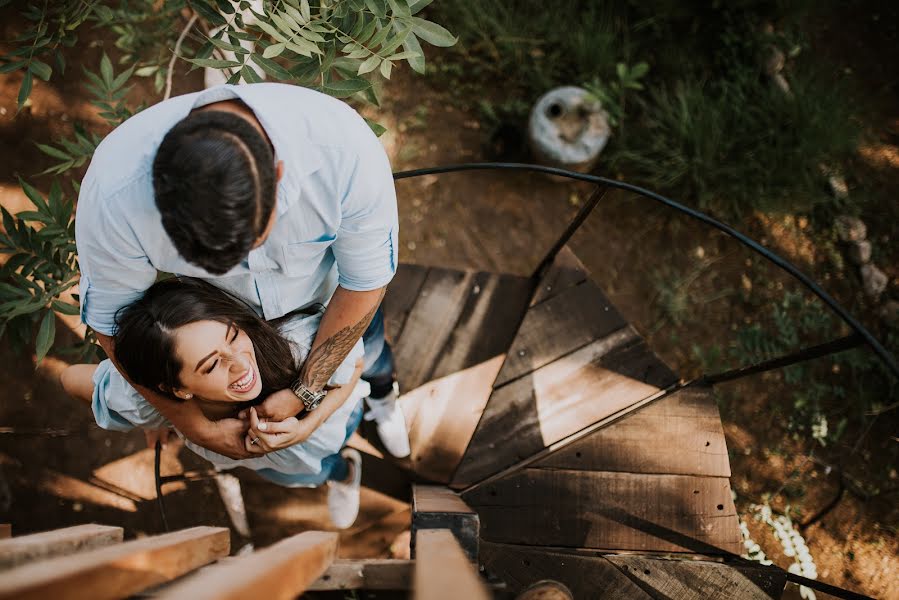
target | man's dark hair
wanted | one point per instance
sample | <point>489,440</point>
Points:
<point>214,181</point>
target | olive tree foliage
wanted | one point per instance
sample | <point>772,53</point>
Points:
<point>339,47</point>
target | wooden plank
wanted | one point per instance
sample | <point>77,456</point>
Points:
<point>559,399</point>
<point>442,416</point>
<point>689,423</point>
<point>402,292</point>
<point>566,271</point>
<point>699,580</point>
<point>59,542</point>
<point>280,572</point>
<point>559,326</point>
<point>429,325</point>
<point>5,531</point>
<point>609,511</point>
<point>487,323</point>
<point>438,507</point>
<point>585,576</point>
<point>367,574</point>
<point>442,571</point>
<point>117,571</point>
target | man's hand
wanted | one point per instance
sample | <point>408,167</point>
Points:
<point>227,438</point>
<point>278,406</point>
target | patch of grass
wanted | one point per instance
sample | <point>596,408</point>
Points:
<point>736,145</point>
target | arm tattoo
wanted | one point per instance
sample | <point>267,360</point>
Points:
<point>324,360</point>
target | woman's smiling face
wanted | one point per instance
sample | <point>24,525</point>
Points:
<point>218,362</point>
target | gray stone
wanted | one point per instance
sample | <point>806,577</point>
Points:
<point>568,128</point>
<point>859,252</point>
<point>874,281</point>
<point>889,312</point>
<point>850,229</point>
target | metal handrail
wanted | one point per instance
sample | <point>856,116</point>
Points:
<point>882,353</point>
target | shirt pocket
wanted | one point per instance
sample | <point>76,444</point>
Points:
<point>302,259</point>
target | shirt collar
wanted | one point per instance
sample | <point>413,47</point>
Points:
<point>295,149</point>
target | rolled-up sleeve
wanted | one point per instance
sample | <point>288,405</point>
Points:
<point>367,240</point>
<point>115,270</point>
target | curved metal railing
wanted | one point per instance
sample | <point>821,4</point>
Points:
<point>859,330</point>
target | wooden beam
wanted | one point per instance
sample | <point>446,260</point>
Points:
<point>609,511</point>
<point>117,571</point>
<point>438,507</point>
<point>367,574</point>
<point>5,531</point>
<point>585,576</point>
<point>566,271</point>
<point>442,571</point>
<point>280,572</point>
<point>59,542</point>
<point>700,580</point>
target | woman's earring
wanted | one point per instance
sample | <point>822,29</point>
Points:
<point>188,396</point>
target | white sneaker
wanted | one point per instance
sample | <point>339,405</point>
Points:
<point>343,496</point>
<point>388,415</point>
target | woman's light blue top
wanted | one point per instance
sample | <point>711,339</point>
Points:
<point>119,407</point>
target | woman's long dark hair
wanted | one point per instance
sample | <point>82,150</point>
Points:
<point>145,342</point>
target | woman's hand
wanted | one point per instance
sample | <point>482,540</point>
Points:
<point>279,406</point>
<point>267,436</point>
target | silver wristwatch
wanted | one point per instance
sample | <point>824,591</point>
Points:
<point>310,399</point>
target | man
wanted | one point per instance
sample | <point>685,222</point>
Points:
<point>278,194</point>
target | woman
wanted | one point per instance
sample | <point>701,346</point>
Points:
<point>195,343</point>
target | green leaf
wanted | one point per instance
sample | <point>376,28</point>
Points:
<point>418,62</point>
<point>226,46</point>
<point>377,128</point>
<point>378,7</point>
<point>304,10</point>
<point>345,87</point>
<point>41,69</point>
<point>24,90</point>
<point>274,50</point>
<point>209,13</point>
<point>416,6</point>
<point>432,33</point>
<point>250,75</point>
<point>146,71</point>
<point>54,152</point>
<point>106,70</point>
<point>639,70</point>
<point>214,63</point>
<point>45,335</point>
<point>35,196</point>
<point>370,64</point>
<point>65,308</point>
<point>400,8</point>
<point>621,70</point>
<point>271,67</point>
<point>12,66</point>
<point>386,66</point>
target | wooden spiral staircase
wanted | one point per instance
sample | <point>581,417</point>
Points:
<point>561,448</point>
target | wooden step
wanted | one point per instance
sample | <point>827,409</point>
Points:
<point>120,570</point>
<point>559,399</point>
<point>608,511</point>
<point>280,572</point>
<point>449,330</point>
<point>679,434</point>
<point>441,321</point>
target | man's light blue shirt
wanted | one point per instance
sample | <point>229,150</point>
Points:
<point>336,208</point>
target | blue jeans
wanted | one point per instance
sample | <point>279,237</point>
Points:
<point>334,467</point>
<point>378,368</point>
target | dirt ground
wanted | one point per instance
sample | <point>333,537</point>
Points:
<point>497,222</point>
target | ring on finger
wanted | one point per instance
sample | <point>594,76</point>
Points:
<point>253,441</point>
